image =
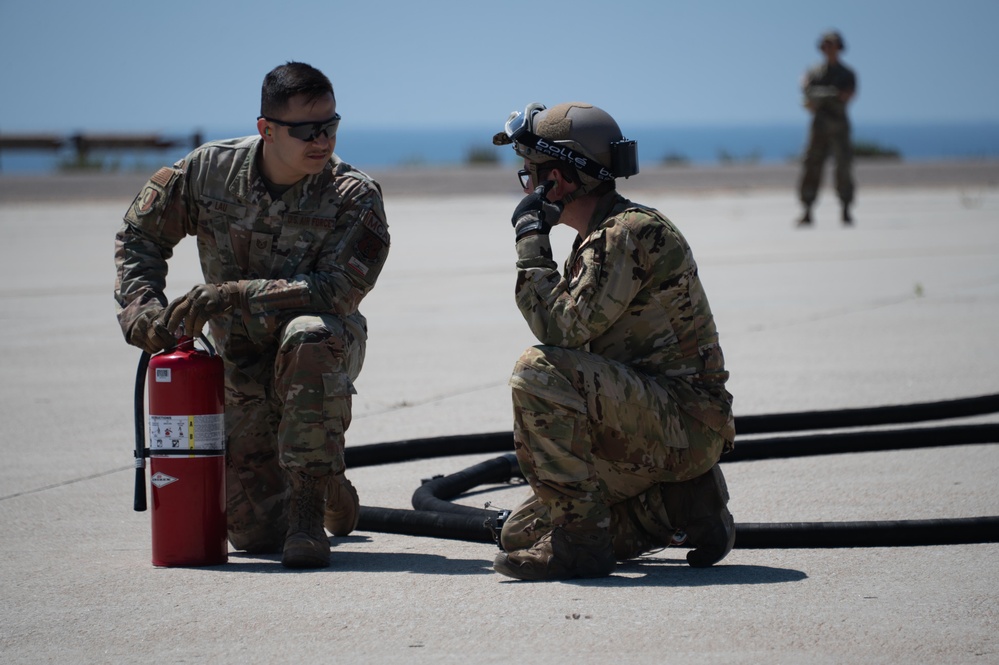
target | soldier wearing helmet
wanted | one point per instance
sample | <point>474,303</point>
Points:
<point>828,88</point>
<point>621,412</point>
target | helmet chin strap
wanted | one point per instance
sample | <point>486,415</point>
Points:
<point>580,191</point>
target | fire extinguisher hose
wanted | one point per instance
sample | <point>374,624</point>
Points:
<point>139,501</point>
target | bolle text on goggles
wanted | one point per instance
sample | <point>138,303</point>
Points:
<point>309,130</point>
<point>519,129</point>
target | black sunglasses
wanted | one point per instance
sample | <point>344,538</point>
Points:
<point>308,131</point>
<point>524,176</point>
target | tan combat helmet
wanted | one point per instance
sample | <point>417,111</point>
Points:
<point>579,134</point>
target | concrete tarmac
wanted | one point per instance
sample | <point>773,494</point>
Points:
<point>901,308</point>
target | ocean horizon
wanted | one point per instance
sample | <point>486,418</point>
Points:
<point>379,148</point>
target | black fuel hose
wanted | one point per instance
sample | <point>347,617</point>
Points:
<point>497,442</point>
<point>408,450</point>
<point>858,442</point>
<point>450,526</point>
<point>895,533</point>
<point>746,449</point>
<point>436,516</point>
<point>435,494</point>
<point>867,416</point>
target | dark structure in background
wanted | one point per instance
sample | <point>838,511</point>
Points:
<point>83,146</point>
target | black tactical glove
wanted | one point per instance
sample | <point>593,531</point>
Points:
<point>536,214</point>
<point>149,331</point>
<point>200,304</point>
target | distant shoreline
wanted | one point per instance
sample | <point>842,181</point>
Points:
<point>410,182</point>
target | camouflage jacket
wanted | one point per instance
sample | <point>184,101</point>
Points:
<point>317,249</point>
<point>630,292</point>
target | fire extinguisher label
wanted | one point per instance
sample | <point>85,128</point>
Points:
<point>204,432</point>
<point>162,375</point>
<point>161,479</point>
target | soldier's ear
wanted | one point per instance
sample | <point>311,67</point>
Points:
<point>265,130</point>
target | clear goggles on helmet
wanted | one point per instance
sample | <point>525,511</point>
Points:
<point>518,123</point>
<point>309,130</point>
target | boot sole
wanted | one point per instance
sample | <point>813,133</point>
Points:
<point>336,521</point>
<point>305,553</point>
<point>502,565</point>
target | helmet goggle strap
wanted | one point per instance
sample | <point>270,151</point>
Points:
<point>543,146</point>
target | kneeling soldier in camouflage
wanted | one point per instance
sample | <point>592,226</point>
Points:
<point>621,414</point>
<point>291,239</point>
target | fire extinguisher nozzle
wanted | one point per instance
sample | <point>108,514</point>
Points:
<point>139,504</point>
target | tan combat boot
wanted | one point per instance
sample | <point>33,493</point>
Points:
<point>560,554</point>
<point>306,545</point>
<point>343,508</point>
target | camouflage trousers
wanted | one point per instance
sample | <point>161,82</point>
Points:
<point>592,437</point>
<point>828,135</point>
<point>287,409</point>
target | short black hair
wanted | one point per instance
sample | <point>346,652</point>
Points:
<point>288,80</point>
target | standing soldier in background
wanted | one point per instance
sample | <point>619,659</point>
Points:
<point>621,414</point>
<point>828,88</point>
<point>290,239</point>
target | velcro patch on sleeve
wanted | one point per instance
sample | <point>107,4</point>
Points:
<point>154,192</point>
<point>376,226</point>
<point>368,252</point>
<point>147,199</point>
<point>163,176</point>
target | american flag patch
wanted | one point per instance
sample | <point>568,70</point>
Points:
<point>357,266</point>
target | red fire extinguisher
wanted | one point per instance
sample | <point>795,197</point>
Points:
<point>187,455</point>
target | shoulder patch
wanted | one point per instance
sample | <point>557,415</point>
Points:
<point>154,191</point>
<point>146,200</point>
<point>368,251</point>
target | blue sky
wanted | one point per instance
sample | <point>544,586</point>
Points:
<point>182,65</point>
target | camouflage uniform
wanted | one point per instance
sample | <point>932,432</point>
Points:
<point>295,345</point>
<point>829,132</point>
<point>627,389</point>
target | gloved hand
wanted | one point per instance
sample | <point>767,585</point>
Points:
<point>149,331</point>
<point>200,304</point>
<point>536,214</point>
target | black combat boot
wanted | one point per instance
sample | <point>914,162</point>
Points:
<point>806,217</point>
<point>847,217</point>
